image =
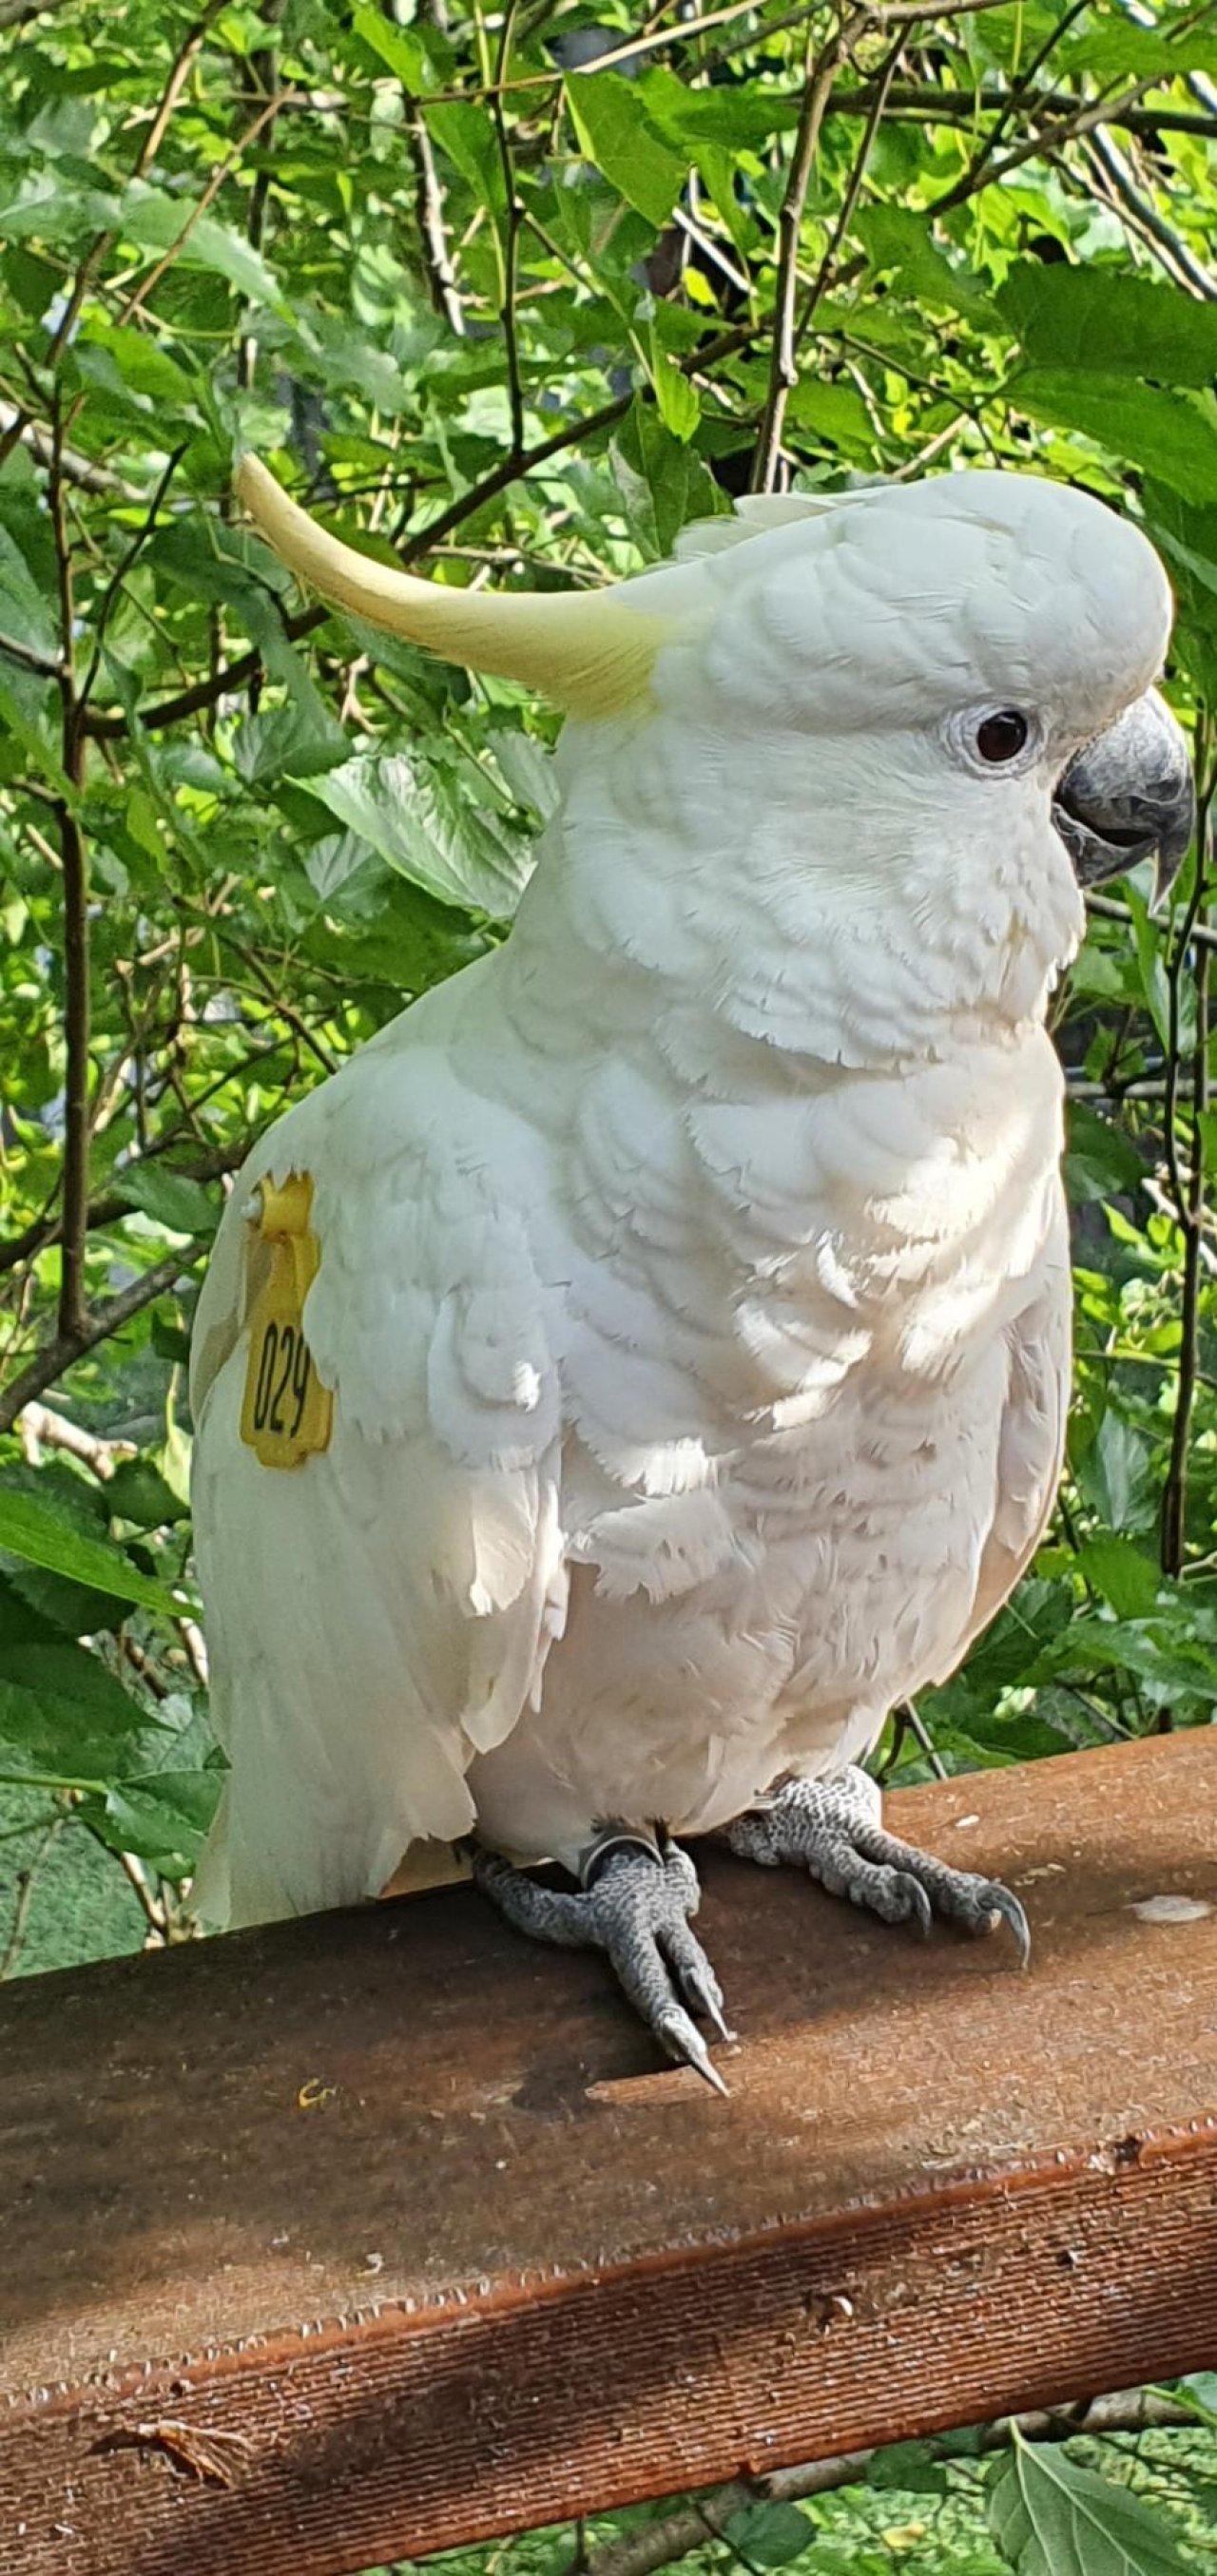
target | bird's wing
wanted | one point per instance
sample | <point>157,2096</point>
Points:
<point>382,1611</point>
<point>1031,1446</point>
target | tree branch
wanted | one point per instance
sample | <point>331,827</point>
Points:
<point>429,210</point>
<point>1189,1198</point>
<point>783,360</point>
<point>59,1354</point>
<point>511,246</point>
<point>848,207</point>
<point>74,859</point>
<point>673,2535</point>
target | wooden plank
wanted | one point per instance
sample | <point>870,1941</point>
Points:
<point>406,2206</point>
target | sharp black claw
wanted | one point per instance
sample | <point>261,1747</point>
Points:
<point>921,1907</point>
<point>1008,1908</point>
<point>705,1994</point>
<point>684,2042</point>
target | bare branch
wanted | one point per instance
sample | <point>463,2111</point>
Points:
<point>74,860</point>
<point>40,1429</point>
<point>1168,244</point>
<point>17,428</point>
<point>783,364</point>
<point>47,665</point>
<point>824,274</point>
<point>429,208</point>
<point>1188,1195</point>
<point>511,246</point>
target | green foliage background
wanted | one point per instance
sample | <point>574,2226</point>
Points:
<point>510,292</point>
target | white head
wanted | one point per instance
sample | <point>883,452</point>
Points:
<point>882,727</point>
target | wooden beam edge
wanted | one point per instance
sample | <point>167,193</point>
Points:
<point>393,2431</point>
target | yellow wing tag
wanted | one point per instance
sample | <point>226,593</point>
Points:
<point>287,1414</point>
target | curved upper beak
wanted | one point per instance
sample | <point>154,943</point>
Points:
<point>1129,795</point>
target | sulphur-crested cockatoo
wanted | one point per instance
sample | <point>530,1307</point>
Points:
<point>646,1362</point>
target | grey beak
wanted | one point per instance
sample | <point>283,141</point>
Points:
<point>1129,795</point>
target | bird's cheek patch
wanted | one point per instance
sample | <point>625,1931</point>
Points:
<point>287,1415</point>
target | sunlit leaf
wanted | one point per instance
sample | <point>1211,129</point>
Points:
<point>1053,2518</point>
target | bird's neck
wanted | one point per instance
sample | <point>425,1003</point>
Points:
<point>730,920</point>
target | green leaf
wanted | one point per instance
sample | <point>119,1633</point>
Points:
<point>898,239</point>
<point>163,1816</point>
<point>662,483</point>
<point>614,133</point>
<point>1101,1161</point>
<point>1127,1580</point>
<point>910,2468</point>
<point>465,132</point>
<point>679,408</point>
<point>162,223</point>
<point>137,1492</point>
<point>36,1529</point>
<point>1108,319</point>
<point>769,2535</point>
<point>142,363</point>
<point>429,832</point>
<point>1161,432</point>
<point>1054,2519</point>
<point>399,47</point>
<point>172,1199</point>
<point>26,612</point>
<point>1115,1474</point>
<point>740,117</point>
<point>833,410</point>
<point>288,742</point>
<point>1119,50</point>
<point>64,1718</point>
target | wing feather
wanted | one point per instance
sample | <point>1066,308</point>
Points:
<point>382,1612</point>
<point>1031,1446</point>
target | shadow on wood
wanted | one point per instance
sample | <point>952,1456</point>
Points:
<point>395,2229</point>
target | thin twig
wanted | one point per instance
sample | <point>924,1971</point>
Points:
<point>945,106</point>
<point>102,243</point>
<point>783,360</point>
<point>47,665</point>
<point>219,178</point>
<point>25,1896</point>
<point>129,556</point>
<point>824,274</point>
<point>511,245</point>
<point>263,66</point>
<point>1190,1204</point>
<point>1168,244</point>
<point>983,173</point>
<point>47,1430</point>
<point>74,861</point>
<point>432,233</point>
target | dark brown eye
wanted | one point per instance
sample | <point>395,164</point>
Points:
<point>1001,736</point>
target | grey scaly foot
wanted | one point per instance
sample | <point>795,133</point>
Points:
<point>635,1905</point>
<point>833,1829</point>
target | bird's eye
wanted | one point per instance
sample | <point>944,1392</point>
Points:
<point>1001,736</point>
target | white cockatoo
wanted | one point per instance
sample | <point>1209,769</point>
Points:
<point>646,1363</point>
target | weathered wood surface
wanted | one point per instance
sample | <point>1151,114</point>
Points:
<point>408,2208</point>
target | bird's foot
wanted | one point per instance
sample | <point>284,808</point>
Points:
<point>635,1905</point>
<point>832,1828</point>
